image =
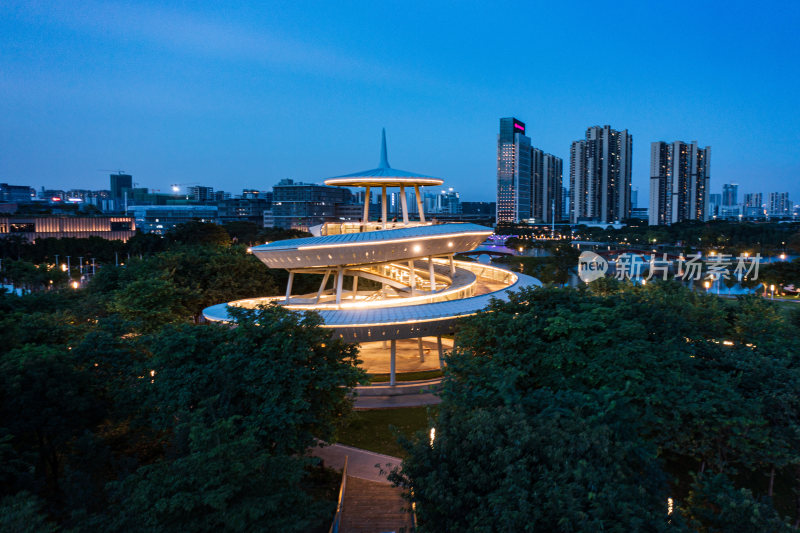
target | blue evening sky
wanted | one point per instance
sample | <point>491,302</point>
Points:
<point>242,96</point>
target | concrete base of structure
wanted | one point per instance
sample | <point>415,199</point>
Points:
<point>376,356</point>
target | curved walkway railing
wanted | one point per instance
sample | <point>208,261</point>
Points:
<point>337,518</point>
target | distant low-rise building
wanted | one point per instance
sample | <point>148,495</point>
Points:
<point>238,209</point>
<point>40,227</point>
<point>303,205</point>
<point>162,218</point>
<point>17,194</point>
<point>200,194</point>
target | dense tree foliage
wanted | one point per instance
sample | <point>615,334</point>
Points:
<point>674,387</point>
<point>733,237</point>
<point>119,413</point>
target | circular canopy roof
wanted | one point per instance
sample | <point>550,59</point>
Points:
<point>384,175</point>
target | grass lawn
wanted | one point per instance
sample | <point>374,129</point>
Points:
<point>371,430</point>
<point>406,376</point>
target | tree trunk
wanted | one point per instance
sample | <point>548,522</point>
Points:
<point>797,498</point>
<point>771,481</point>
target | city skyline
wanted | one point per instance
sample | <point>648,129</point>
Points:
<point>235,99</point>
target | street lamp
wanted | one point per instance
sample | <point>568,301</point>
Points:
<point>772,291</point>
<point>707,285</point>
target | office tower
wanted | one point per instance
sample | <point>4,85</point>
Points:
<point>753,204</point>
<point>564,203</point>
<point>679,182</point>
<point>634,197</point>
<point>730,194</point>
<point>120,184</point>
<point>600,175</point>
<point>779,204</point>
<point>201,194</point>
<point>714,204</point>
<point>513,172</point>
<point>546,180</point>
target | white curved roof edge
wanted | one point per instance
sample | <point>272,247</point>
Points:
<point>375,236</point>
<point>452,309</point>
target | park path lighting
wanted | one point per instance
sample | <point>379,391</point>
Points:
<point>75,285</point>
<point>707,285</point>
<point>772,291</point>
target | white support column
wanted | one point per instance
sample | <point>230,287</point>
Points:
<point>383,206</point>
<point>431,274</point>
<point>441,351</point>
<point>289,286</point>
<point>339,281</point>
<point>355,286</point>
<point>392,361</point>
<point>411,277</point>
<point>419,204</point>
<point>421,353</point>
<point>365,220</point>
<point>404,204</point>
<point>322,285</point>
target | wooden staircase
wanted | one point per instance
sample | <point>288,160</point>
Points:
<point>373,507</point>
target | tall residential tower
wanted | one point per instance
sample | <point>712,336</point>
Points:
<point>679,182</point>
<point>600,176</point>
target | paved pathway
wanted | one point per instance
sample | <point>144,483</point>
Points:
<point>388,402</point>
<point>360,463</point>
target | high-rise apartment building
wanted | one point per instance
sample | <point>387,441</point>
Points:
<point>730,194</point>
<point>714,204</point>
<point>779,204</point>
<point>753,204</point>
<point>546,185</point>
<point>600,175</point>
<point>679,182</point>
<point>513,172</point>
